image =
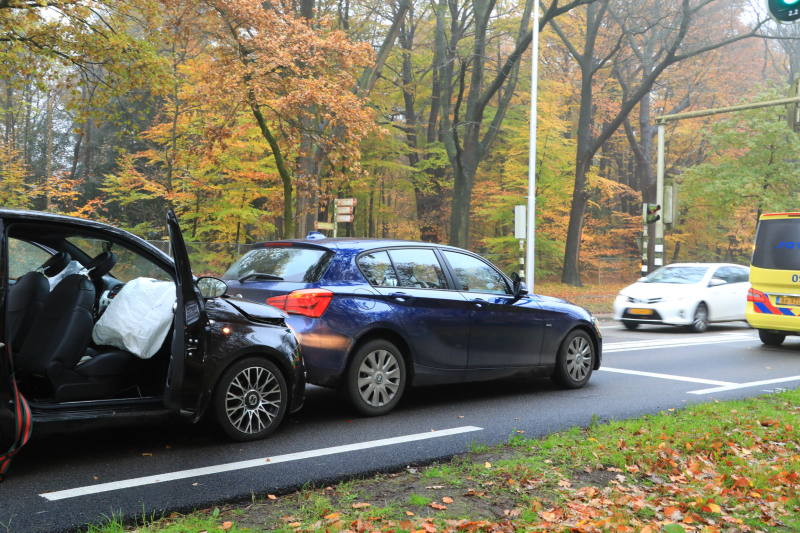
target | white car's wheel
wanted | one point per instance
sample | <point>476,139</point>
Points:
<point>700,320</point>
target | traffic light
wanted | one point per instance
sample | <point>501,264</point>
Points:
<point>649,211</point>
<point>784,10</point>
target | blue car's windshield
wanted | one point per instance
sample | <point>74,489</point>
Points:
<point>682,275</point>
<point>286,263</point>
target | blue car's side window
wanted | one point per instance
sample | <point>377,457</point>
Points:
<point>418,268</point>
<point>474,275</point>
<point>378,269</point>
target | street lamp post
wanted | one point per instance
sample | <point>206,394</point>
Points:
<point>529,255</point>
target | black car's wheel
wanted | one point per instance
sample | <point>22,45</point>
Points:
<point>700,320</point>
<point>575,361</point>
<point>771,339</point>
<point>376,378</point>
<point>250,399</point>
<point>630,325</point>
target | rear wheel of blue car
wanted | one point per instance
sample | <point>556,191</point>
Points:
<point>376,378</point>
<point>575,361</point>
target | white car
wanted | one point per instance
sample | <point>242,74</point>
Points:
<point>685,294</point>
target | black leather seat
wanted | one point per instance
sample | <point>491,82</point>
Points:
<point>59,338</point>
<point>26,298</point>
<point>99,267</point>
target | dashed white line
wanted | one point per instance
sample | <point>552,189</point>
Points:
<point>241,465</point>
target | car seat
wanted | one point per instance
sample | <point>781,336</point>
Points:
<point>27,296</point>
<point>59,339</point>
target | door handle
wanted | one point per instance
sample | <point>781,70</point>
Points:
<point>478,302</point>
<point>400,296</point>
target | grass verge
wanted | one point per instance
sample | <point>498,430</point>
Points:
<point>722,467</point>
<point>595,298</point>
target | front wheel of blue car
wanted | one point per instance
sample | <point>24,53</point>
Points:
<point>575,361</point>
<point>376,378</point>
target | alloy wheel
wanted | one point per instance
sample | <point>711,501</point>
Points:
<point>378,378</point>
<point>700,318</point>
<point>579,358</point>
<point>253,400</point>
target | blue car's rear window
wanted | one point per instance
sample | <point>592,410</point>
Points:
<point>290,263</point>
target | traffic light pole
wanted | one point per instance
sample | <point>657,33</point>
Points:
<point>662,122</point>
<point>658,255</point>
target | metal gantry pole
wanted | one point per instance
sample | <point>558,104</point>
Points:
<point>530,252</point>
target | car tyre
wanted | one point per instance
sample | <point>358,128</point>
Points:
<point>575,361</point>
<point>771,339</point>
<point>250,399</point>
<point>630,325</point>
<point>700,319</point>
<point>375,378</point>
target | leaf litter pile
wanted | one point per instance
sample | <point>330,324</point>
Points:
<point>724,467</point>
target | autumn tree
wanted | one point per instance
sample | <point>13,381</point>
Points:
<point>682,35</point>
<point>289,73</point>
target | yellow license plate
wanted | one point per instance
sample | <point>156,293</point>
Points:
<point>640,311</point>
<point>788,300</point>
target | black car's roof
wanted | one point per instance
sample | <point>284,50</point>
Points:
<point>25,215</point>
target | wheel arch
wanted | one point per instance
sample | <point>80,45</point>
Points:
<point>392,336</point>
<point>592,335</point>
<point>271,355</point>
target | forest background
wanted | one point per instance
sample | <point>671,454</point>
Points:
<point>248,118</point>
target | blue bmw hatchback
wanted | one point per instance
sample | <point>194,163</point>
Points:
<point>374,316</point>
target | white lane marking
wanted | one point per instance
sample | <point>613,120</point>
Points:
<point>240,465</point>
<point>667,376</point>
<point>734,386</point>
<point>632,346</point>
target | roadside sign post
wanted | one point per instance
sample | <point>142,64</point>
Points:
<point>345,208</point>
<point>520,219</point>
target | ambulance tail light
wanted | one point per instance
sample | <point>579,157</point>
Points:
<point>757,297</point>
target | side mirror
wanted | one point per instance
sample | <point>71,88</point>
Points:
<point>716,282</point>
<point>211,287</point>
<point>519,289</point>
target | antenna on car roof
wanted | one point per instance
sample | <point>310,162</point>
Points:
<point>315,236</point>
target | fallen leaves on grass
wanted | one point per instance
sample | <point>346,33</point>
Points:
<point>447,499</point>
<point>437,506</point>
<point>226,526</point>
<point>360,505</point>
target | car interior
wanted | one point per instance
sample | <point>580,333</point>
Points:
<point>52,310</point>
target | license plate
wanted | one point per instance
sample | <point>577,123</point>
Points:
<point>640,311</point>
<point>788,300</point>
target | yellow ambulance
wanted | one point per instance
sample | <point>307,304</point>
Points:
<point>773,301</point>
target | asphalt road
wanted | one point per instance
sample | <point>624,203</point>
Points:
<point>58,481</point>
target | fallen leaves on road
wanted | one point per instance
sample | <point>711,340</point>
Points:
<point>447,499</point>
<point>272,497</point>
<point>437,506</point>
<point>360,505</point>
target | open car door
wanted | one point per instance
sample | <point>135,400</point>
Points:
<point>183,387</point>
<point>18,429</point>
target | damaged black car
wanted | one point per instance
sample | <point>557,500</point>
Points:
<point>97,322</point>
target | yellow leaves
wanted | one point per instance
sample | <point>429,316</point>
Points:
<point>711,508</point>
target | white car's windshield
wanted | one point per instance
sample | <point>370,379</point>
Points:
<point>682,275</point>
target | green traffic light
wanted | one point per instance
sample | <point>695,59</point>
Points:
<point>784,10</point>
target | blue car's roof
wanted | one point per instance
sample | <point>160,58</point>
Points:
<point>348,243</point>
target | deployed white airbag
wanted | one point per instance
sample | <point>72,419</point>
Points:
<point>138,319</point>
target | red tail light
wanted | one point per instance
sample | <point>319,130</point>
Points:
<point>757,297</point>
<point>306,302</point>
